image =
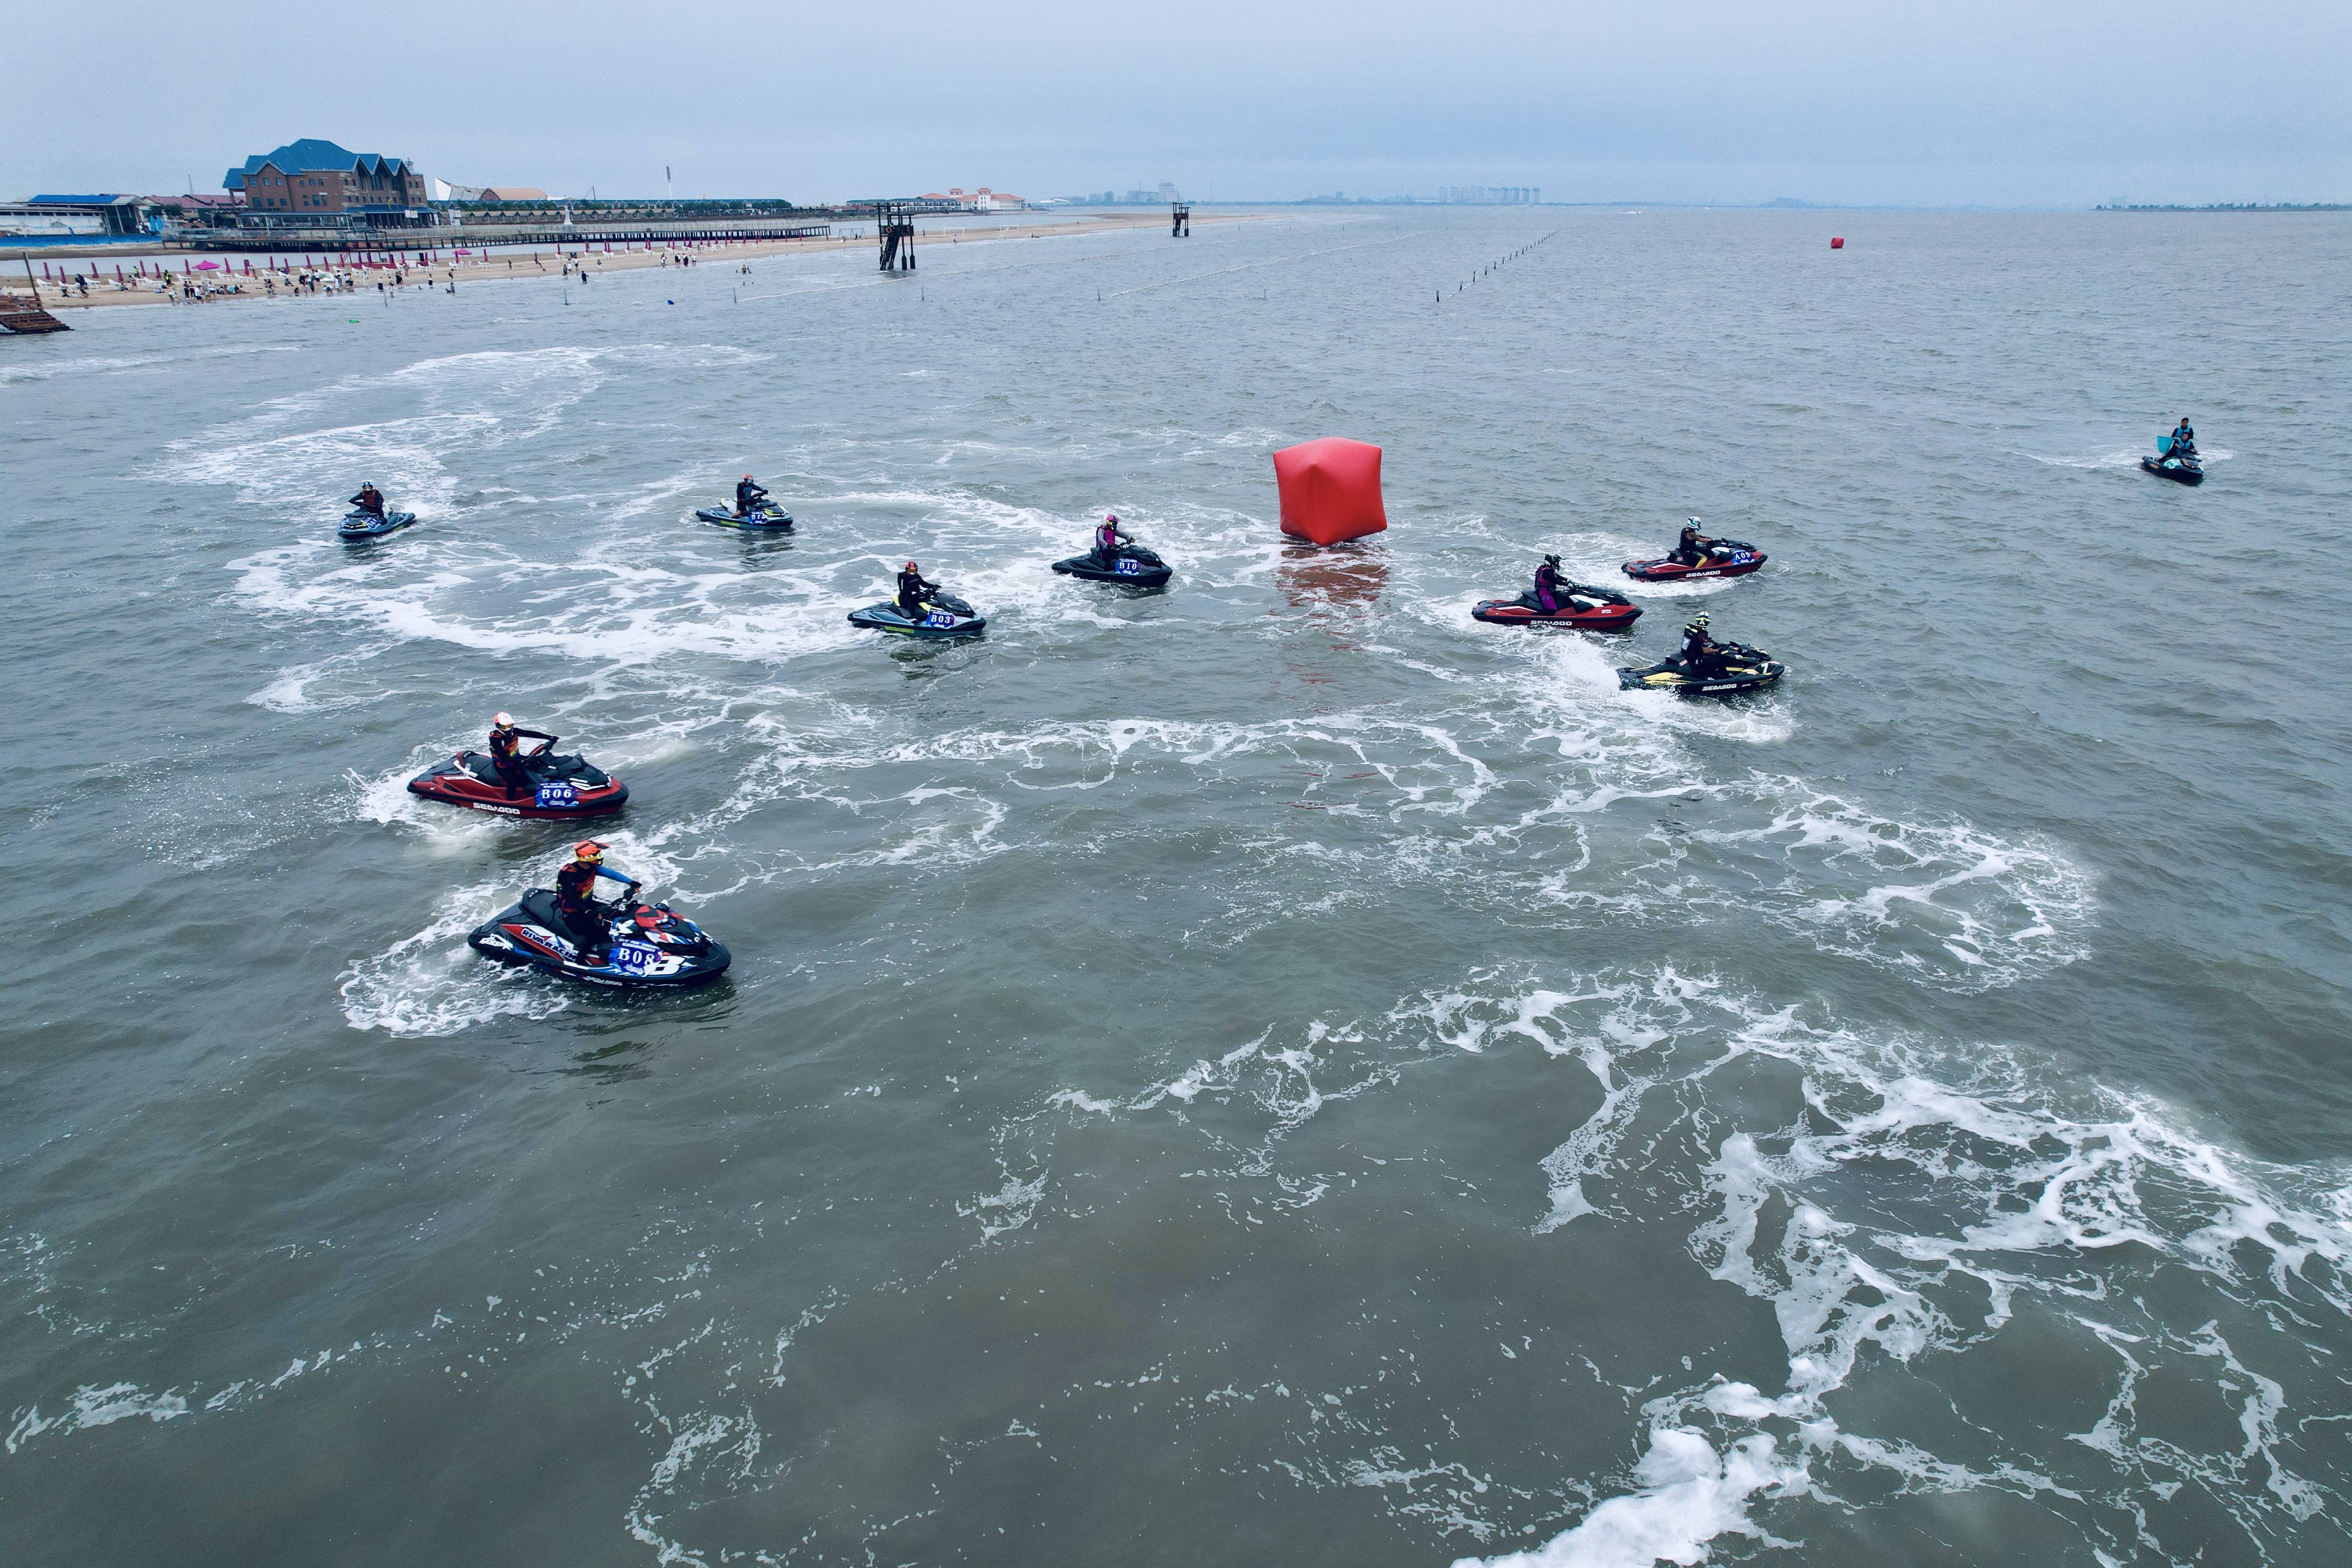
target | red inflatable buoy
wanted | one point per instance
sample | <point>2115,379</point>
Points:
<point>1330,489</point>
<point>1837,242</point>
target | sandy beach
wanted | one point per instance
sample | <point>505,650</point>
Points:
<point>279,276</point>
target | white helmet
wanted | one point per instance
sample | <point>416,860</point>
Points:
<point>503,721</point>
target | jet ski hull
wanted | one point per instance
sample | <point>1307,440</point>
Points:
<point>1728,558</point>
<point>1131,568</point>
<point>358,528</point>
<point>761,519</point>
<point>2179,473</point>
<point>649,947</point>
<point>944,617</point>
<point>1581,609</point>
<point>469,779</point>
<point>1738,677</point>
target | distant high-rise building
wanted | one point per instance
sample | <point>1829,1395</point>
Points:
<point>1491,196</point>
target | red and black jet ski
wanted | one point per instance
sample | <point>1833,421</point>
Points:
<point>1724,558</point>
<point>646,945</point>
<point>560,787</point>
<point>1577,605</point>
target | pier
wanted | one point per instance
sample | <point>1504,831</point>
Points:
<point>21,315</point>
<point>393,240</point>
<point>894,225</point>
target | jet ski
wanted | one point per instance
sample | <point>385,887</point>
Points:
<point>1577,605</point>
<point>562,787</point>
<point>1133,565</point>
<point>765,517</point>
<point>649,945</point>
<point>942,615</point>
<point>2184,470</point>
<point>361,526</point>
<point>1737,668</point>
<point>1724,558</point>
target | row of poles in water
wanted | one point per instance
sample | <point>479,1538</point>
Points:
<point>1490,266</point>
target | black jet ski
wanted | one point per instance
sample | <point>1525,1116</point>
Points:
<point>649,945</point>
<point>942,615</point>
<point>1577,604</point>
<point>2182,470</point>
<point>361,526</point>
<point>1133,565</point>
<point>560,787</point>
<point>765,517</point>
<point>1736,669</point>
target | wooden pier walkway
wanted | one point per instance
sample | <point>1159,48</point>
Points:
<point>396,241</point>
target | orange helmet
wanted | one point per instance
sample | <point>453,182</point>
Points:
<point>588,849</point>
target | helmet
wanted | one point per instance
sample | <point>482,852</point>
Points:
<point>747,477</point>
<point>588,849</point>
<point>913,567</point>
<point>503,721</point>
<point>1551,560</point>
<point>1699,622</point>
<point>1110,517</point>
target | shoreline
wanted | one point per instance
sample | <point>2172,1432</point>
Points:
<point>525,262</point>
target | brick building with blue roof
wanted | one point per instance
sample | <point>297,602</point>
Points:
<point>316,177</point>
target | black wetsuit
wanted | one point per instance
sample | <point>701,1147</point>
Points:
<point>911,591</point>
<point>1701,654</point>
<point>575,900</point>
<point>1690,548</point>
<point>506,756</point>
<point>747,496</point>
<point>370,502</point>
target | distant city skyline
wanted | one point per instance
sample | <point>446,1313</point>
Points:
<point>1834,101</point>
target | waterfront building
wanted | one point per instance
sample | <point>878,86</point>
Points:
<point>313,178</point>
<point>99,216</point>
<point>982,200</point>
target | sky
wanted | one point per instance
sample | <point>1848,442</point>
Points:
<point>2055,103</point>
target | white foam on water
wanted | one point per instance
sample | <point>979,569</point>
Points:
<point>1690,1497</point>
<point>430,982</point>
<point>2062,1192</point>
<point>93,1405</point>
<point>1944,898</point>
<point>102,365</point>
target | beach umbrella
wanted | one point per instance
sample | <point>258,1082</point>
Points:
<point>207,266</point>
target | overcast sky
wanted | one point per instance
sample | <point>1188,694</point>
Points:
<point>2051,102</point>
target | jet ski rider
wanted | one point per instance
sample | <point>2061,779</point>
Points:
<point>912,591</point>
<point>748,495</point>
<point>506,752</point>
<point>575,897</point>
<point>1549,585</point>
<point>2184,440</point>
<point>371,500</point>
<point>1109,537</point>
<point>1701,654</point>
<point>1692,546</point>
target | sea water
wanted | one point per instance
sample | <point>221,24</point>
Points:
<point>1270,1070</point>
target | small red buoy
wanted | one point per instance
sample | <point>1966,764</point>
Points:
<point>1837,242</point>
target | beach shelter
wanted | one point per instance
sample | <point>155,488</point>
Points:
<point>1330,489</point>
